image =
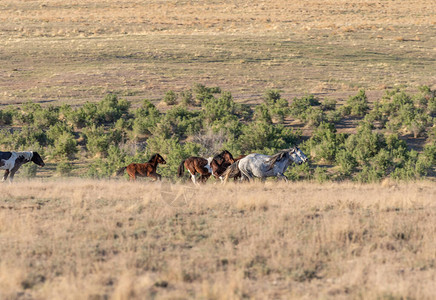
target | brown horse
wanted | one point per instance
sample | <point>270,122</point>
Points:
<point>196,165</point>
<point>144,170</point>
<point>221,162</point>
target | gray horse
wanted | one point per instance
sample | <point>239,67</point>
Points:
<point>262,166</point>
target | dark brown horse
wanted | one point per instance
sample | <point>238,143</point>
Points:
<point>144,170</point>
<point>221,162</point>
<point>195,165</point>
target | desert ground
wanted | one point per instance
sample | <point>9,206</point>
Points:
<point>76,51</point>
<point>85,239</point>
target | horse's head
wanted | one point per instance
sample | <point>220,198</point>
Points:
<point>160,159</point>
<point>294,156</point>
<point>297,155</point>
<point>301,154</point>
<point>36,158</point>
<point>228,157</point>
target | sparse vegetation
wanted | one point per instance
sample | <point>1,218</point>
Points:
<point>374,152</point>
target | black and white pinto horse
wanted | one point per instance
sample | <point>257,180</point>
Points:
<point>262,166</point>
<point>12,161</point>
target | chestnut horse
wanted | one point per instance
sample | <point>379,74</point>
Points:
<point>195,165</point>
<point>144,170</point>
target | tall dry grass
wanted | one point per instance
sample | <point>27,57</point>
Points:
<point>84,239</point>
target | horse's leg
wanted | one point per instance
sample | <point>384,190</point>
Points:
<point>132,176</point>
<point>245,174</point>
<point>192,176</point>
<point>204,177</point>
<point>13,170</point>
<point>5,176</point>
<point>155,176</point>
<point>282,177</point>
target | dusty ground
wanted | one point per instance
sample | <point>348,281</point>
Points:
<point>77,51</point>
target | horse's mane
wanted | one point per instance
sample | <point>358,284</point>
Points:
<point>276,158</point>
<point>153,157</point>
<point>26,154</point>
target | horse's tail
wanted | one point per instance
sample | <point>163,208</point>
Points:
<point>231,171</point>
<point>120,171</point>
<point>181,169</point>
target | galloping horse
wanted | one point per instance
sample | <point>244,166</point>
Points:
<point>221,162</point>
<point>262,166</point>
<point>195,165</point>
<point>144,170</point>
<point>12,161</point>
<point>215,166</point>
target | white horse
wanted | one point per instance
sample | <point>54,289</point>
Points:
<point>262,166</point>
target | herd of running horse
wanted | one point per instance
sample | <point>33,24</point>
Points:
<point>222,166</point>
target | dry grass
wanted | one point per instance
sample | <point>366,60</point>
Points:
<point>73,51</point>
<point>81,239</point>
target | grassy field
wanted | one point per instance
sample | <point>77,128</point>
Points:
<point>83,239</point>
<point>77,51</point>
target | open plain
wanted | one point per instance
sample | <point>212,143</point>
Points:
<point>76,51</point>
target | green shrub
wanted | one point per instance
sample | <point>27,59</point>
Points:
<point>110,109</point>
<point>28,136</point>
<point>299,172</point>
<point>180,122</point>
<point>365,144</point>
<point>64,146</point>
<point>203,93</point>
<point>369,174</point>
<point>332,116</point>
<point>145,118</point>
<point>85,116</point>
<point>7,115</point>
<point>346,161</point>
<point>262,114</point>
<point>323,143</point>
<point>299,106</point>
<point>217,109</point>
<point>328,104</point>
<point>277,106</point>
<point>170,98</point>
<point>267,137</point>
<point>358,105</point>
<point>187,98</point>
<point>114,160</point>
<point>321,175</point>
<point>64,168</point>
<point>314,116</point>
<point>97,140</point>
